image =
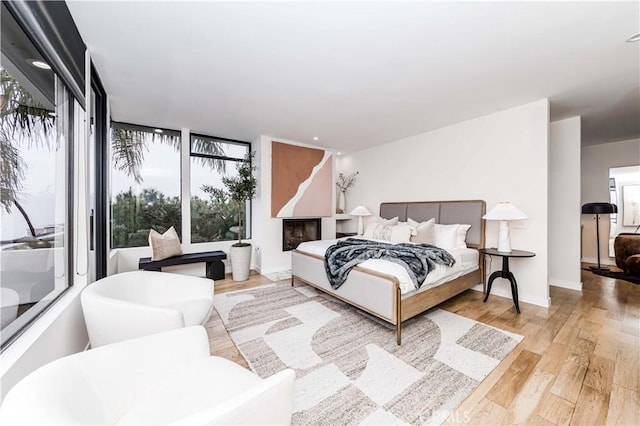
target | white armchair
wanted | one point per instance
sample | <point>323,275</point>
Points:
<point>166,378</point>
<point>138,303</point>
<point>9,301</point>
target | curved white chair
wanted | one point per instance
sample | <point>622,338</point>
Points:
<point>166,378</point>
<point>138,303</point>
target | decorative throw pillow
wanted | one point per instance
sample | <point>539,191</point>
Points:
<point>394,234</point>
<point>451,236</point>
<point>413,226</point>
<point>461,238</point>
<point>425,231</point>
<point>446,236</point>
<point>367,220</point>
<point>164,245</point>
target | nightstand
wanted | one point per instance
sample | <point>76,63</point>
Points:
<point>505,272</point>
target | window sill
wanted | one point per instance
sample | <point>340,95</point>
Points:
<point>19,348</point>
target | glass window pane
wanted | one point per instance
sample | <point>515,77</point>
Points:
<point>214,217</point>
<point>34,177</point>
<point>217,147</point>
<point>145,184</point>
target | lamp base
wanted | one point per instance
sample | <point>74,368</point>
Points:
<point>601,268</point>
<point>504,240</point>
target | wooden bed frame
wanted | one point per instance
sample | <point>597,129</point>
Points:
<point>379,294</point>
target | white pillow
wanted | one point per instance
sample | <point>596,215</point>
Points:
<point>413,226</point>
<point>425,231</point>
<point>367,220</point>
<point>394,234</point>
<point>451,236</point>
<point>461,240</point>
<point>446,236</point>
<point>165,245</point>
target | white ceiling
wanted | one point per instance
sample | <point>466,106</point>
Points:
<point>361,74</point>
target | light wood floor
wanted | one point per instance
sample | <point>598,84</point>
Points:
<point>579,362</point>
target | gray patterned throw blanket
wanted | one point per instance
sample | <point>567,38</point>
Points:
<point>417,259</point>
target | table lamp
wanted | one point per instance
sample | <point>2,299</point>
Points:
<point>504,212</point>
<point>360,211</point>
<point>598,209</point>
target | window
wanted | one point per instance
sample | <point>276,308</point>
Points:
<point>145,183</point>
<point>36,116</point>
<point>213,216</point>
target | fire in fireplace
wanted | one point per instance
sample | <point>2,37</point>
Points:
<point>296,231</point>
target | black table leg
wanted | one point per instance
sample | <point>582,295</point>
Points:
<point>514,291</point>
<point>497,274</point>
<point>506,274</point>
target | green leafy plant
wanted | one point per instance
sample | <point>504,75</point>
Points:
<point>242,188</point>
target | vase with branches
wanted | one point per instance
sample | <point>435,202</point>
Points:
<point>344,183</point>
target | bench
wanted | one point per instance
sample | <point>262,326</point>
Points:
<point>213,259</point>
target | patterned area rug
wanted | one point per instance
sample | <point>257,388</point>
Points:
<point>348,367</point>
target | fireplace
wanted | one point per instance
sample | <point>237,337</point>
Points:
<point>296,231</point>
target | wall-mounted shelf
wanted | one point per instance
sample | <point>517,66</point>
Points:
<point>343,216</point>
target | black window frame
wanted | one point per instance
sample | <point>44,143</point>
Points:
<point>108,195</point>
<point>220,157</point>
<point>48,24</point>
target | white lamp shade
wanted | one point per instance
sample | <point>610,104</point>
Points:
<point>505,211</point>
<point>360,211</point>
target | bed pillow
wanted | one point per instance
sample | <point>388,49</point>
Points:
<point>367,220</point>
<point>451,237</point>
<point>413,226</point>
<point>425,231</point>
<point>164,245</point>
<point>445,236</point>
<point>392,233</point>
<point>461,239</point>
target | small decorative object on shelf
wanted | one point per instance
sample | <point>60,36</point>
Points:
<point>344,183</point>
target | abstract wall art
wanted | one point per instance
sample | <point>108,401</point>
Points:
<point>301,181</point>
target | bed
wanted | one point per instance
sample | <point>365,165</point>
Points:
<point>379,293</point>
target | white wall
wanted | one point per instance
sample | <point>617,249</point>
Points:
<point>267,230</point>
<point>498,157</point>
<point>564,204</point>
<point>595,163</point>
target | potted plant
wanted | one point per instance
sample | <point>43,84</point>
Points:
<point>241,188</point>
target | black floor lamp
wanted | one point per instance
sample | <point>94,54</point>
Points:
<point>598,209</point>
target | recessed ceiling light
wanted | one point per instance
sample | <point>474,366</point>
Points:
<point>158,130</point>
<point>339,153</point>
<point>315,138</point>
<point>39,64</point>
<point>635,37</point>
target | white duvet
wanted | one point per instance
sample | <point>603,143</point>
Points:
<point>466,261</point>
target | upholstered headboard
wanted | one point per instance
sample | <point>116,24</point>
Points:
<point>468,212</point>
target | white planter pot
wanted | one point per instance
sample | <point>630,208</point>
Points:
<point>240,261</point>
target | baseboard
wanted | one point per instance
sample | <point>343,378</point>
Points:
<point>571,285</point>
<point>545,302</point>
<point>594,260</point>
